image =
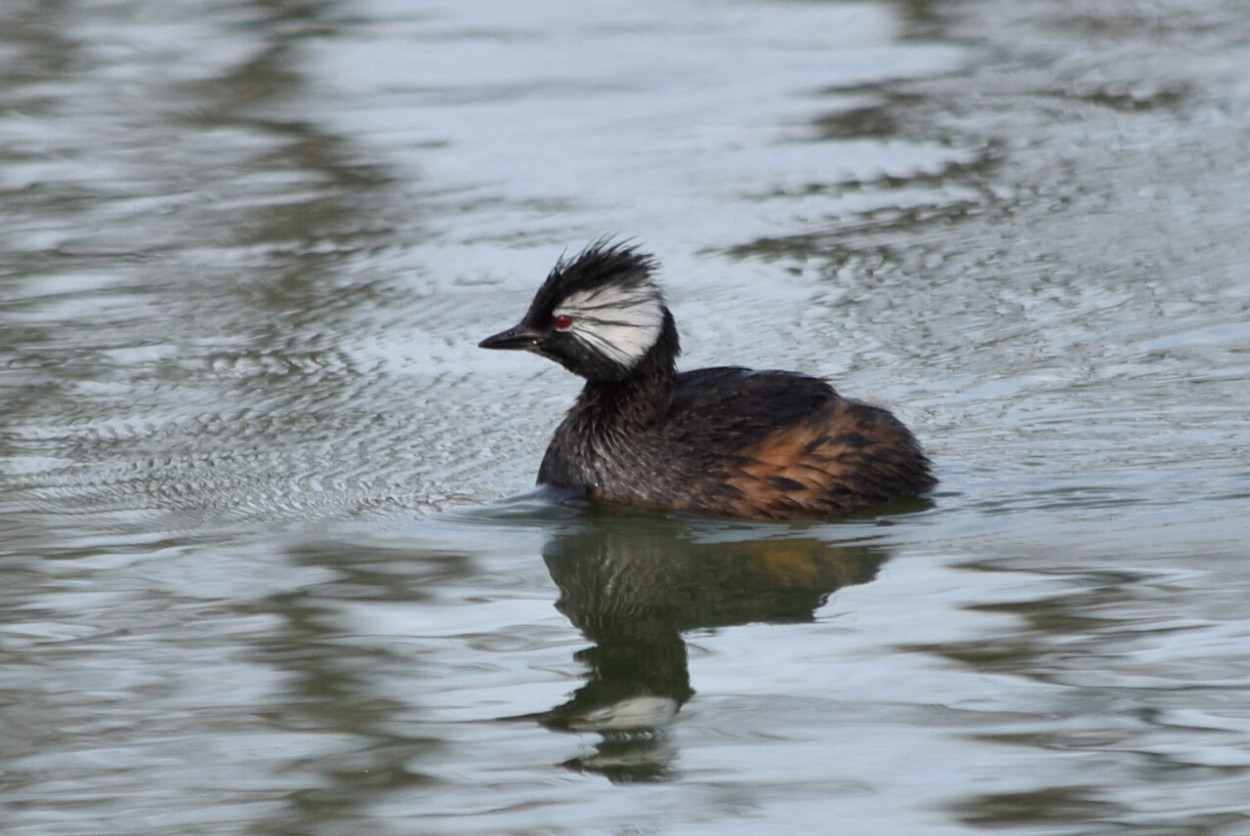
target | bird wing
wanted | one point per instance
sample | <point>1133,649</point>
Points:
<point>784,445</point>
<point>733,406</point>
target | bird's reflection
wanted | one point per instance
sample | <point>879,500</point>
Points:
<point>632,586</point>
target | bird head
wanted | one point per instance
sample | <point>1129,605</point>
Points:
<point>598,314</point>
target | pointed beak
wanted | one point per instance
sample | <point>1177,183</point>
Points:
<point>518,337</point>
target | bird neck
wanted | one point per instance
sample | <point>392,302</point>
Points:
<point>642,396</point>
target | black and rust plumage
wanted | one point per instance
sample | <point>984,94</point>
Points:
<point>725,441</point>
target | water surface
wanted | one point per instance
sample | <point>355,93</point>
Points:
<point>269,560</point>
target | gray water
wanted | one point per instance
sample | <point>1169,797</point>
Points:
<point>269,559</point>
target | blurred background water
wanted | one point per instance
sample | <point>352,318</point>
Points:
<point>268,563</point>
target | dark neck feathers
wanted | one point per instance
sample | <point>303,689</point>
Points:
<point>638,399</point>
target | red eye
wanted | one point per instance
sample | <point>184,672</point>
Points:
<point>562,322</point>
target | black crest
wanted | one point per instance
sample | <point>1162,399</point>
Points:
<point>601,263</point>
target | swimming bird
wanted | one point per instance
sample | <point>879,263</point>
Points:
<point>725,441</point>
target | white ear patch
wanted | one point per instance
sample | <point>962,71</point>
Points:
<point>622,323</point>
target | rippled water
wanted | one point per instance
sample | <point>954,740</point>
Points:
<point>268,561</point>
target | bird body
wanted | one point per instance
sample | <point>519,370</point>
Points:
<point>724,441</point>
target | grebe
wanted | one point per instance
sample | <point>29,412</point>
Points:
<point>722,441</point>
